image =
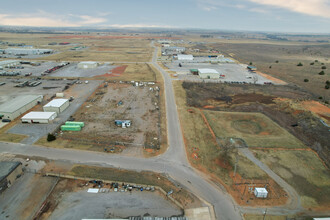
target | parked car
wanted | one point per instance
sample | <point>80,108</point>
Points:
<point>6,120</point>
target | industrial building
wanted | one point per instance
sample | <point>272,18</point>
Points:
<point>87,65</point>
<point>172,50</point>
<point>17,106</point>
<point>208,74</point>
<point>39,117</point>
<point>56,105</point>
<point>9,172</point>
<point>183,57</point>
<point>260,192</point>
<point>24,51</point>
<point>9,63</point>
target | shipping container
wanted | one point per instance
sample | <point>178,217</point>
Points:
<point>81,124</point>
<point>70,128</point>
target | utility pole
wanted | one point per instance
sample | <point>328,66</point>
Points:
<point>265,213</point>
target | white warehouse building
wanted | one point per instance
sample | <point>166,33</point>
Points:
<point>9,63</point>
<point>39,117</point>
<point>56,105</point>
<point>17,106</point>
<point>208,74</point>
<point>24,51</point>
<point>185,57</point>
<point>87,65</point>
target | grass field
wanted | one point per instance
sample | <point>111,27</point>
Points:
<point>199,142</point>
<point>304,171</point>
<point>256,129</point>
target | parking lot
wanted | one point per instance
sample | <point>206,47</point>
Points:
<point>72,71</point>
<point>35,131</point>
<point>235,73</point>
<point>81,204</point>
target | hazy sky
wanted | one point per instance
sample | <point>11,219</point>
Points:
<point>254,15</point>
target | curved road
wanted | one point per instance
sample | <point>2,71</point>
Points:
<point>173,162</point>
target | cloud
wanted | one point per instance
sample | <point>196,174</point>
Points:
<point>41,20</point>
<point>320,8</point>
<point>140,26</point>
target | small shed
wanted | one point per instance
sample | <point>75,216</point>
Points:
<point>56,105</point>
<point>208,74</point>
<point>194,71</point>
<point>87,65</point>
<point>260,192</point>
<point>123,123</point>
<point>252,68</point>
<point>39,117</point>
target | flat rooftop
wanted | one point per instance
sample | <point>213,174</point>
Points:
<point>56,103</point>
<point>6,167</point>
<point>17,103</point>
<point>38,115</point>
<point>208,71</point>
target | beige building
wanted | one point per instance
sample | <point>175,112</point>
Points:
<point>56,105</point>
<point>87,65</point>
<point>17,106</point>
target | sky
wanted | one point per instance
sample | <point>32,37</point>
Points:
<point>300,16</point>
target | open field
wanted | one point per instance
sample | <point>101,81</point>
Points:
<point>131,72</point>
<point>290,107</point>
<point>256,129</point>
<point>206,154</point>
<point>97,48</point>
<point>288,54</point>
<point>304,171</point>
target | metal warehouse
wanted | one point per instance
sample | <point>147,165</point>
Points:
<point>208,74</point>
<point>22,51</point>
<point>57,105</point>
<point>39,117</point>
<point>9,63</point>
<point>87,65</point>
<point>185,57</point>
<point>9,171</point>
<point>17,106</point>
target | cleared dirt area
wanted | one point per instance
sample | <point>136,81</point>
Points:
<point>304,171</point>
<point>255,129</point>
<point>118,102</point>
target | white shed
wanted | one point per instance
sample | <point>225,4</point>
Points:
<point>87,65</point>
<point>185,57</point>
<point>56,105</point>
<point>260,192</point>
<point>39,117</point>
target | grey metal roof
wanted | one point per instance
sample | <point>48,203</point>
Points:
<point>6,167</point>
<point>17,103</point>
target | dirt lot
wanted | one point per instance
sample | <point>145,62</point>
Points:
<point>118,101</point>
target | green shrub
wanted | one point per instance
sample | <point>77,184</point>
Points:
<point>51,137</point>
<point>312,63</point>
<point>276,61</point>
<point>306,80</point>
<point>321,73</point>
<point>323,67</point>
<point>299,64</point>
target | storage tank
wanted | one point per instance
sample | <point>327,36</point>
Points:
<point>81,124</point>
<point>70,128</point>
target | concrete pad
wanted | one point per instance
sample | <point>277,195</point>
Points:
<point>198,213</point>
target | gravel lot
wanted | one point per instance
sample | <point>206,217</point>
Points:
<point>233,72</point>
<point>79,205</point>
